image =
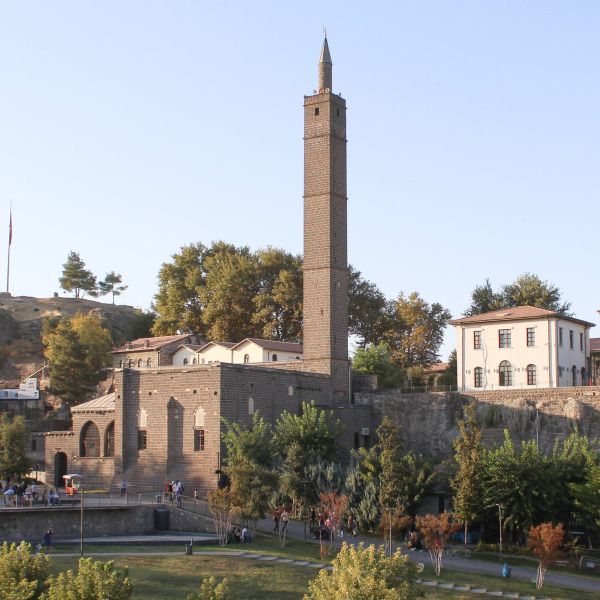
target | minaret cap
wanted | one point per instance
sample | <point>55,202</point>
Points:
<point>325,68</point>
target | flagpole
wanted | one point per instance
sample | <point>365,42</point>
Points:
<point>9,244</point>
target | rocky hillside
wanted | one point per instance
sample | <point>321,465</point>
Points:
<point>21,319</point>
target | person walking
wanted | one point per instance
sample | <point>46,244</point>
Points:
<point>47,540</point>
<point>276,522</point>
<point>179,493</point>
<point>123,486</point>
<point>285,517</point>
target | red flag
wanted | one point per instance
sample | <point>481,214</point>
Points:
<point>10,229</point>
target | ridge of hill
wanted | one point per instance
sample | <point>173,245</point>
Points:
<point>22,317</point>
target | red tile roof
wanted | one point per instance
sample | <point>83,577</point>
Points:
<point>274,345</point>
<point>595,344</point>
<point>437,367</point>
<point>151,343</point>
<point>515,313</point>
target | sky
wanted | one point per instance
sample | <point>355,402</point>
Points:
<point>129,129</point>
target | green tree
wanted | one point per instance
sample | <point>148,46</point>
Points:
<point>22,575</point>
<point>211,589</point>
<point>94,580</point>
<point>368,315</point>
<point>362,487</point>
<point>416,481</point>
<point>522,481</point>
<point>361,573</point>
<point>76,349</point>
<point>390,455</point>
<point>301,440</point>
<point>484,299</point>
<point>14,440</point>
<point>417,330</point>
<point>76,278</point>
<point>449,377</point>
<point>277,311</point>
<point>467,482</point>
<point>377,360</point>
<point>528,289</point>
<point>228,293</point>
<point>249,467</point>
<point>177,303</point>
<point>586,500</point>
<point>111,284</point>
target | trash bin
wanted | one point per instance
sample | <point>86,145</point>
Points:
<point>162,519</point>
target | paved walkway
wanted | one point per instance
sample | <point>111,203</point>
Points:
<point>455,563</point>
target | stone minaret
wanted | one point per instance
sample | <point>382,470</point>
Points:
<point>325,233</point>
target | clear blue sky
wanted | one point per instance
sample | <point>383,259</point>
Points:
<point>128,129</point>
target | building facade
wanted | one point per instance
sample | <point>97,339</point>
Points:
<point>522,347</point>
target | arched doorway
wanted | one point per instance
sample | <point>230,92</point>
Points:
<point>583,381</point>
<point>574,374</point>
<point>60,468</point>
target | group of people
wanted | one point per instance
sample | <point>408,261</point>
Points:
<point>18,492</point>
<point>174,491</point>
<point>322,524</point>
<point>239,536</point>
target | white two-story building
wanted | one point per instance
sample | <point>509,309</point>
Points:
<point>522,347</point>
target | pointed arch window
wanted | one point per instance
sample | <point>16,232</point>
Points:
<point>89,441</point>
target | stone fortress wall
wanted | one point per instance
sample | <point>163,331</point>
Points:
<point>429,420</point>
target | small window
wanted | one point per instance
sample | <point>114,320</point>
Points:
<point>142,439</point>
<point>505,374</point>
<point>194,361</point>
<point>120,364</point>
<point>198,440</point>
<point>531,375</point>
<point>33,445</point>
<point>478,380</point>
<point>130,363</point>
<point>504,338</point>
<point>185,361</point>
<point>274,359</point>
<point>250,406</point>
<point>337,112</point>
<point>581,341</point>
<point>477,340</point>
<point>571,337</point>
<point>356,440</point>
<point>246,358</point>
<point>560,336</point>
<point>317,111</point>
<point>140,362</point>
<point>531,336</point>
<point>149,363</point>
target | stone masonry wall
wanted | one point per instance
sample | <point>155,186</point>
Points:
<point>429,420</point>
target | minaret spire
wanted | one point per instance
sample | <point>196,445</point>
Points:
<point>325,68</point>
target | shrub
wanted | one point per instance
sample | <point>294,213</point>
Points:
<point>22,575</point>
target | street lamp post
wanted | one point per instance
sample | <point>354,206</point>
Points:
<point>500,507</point>
<point>81,518</point>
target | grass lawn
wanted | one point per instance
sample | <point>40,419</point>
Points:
<point>172,577</point>
<point>161,577</point>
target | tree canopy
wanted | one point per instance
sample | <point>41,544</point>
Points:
<point>76,349</point>
<point>111,284</point>
<point>528,289</point>
<point>76,278</point>
<point>14,441</point>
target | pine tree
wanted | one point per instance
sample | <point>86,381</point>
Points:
<point>76,278</point>
<point>110,285</point>
<point>467,483</point>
